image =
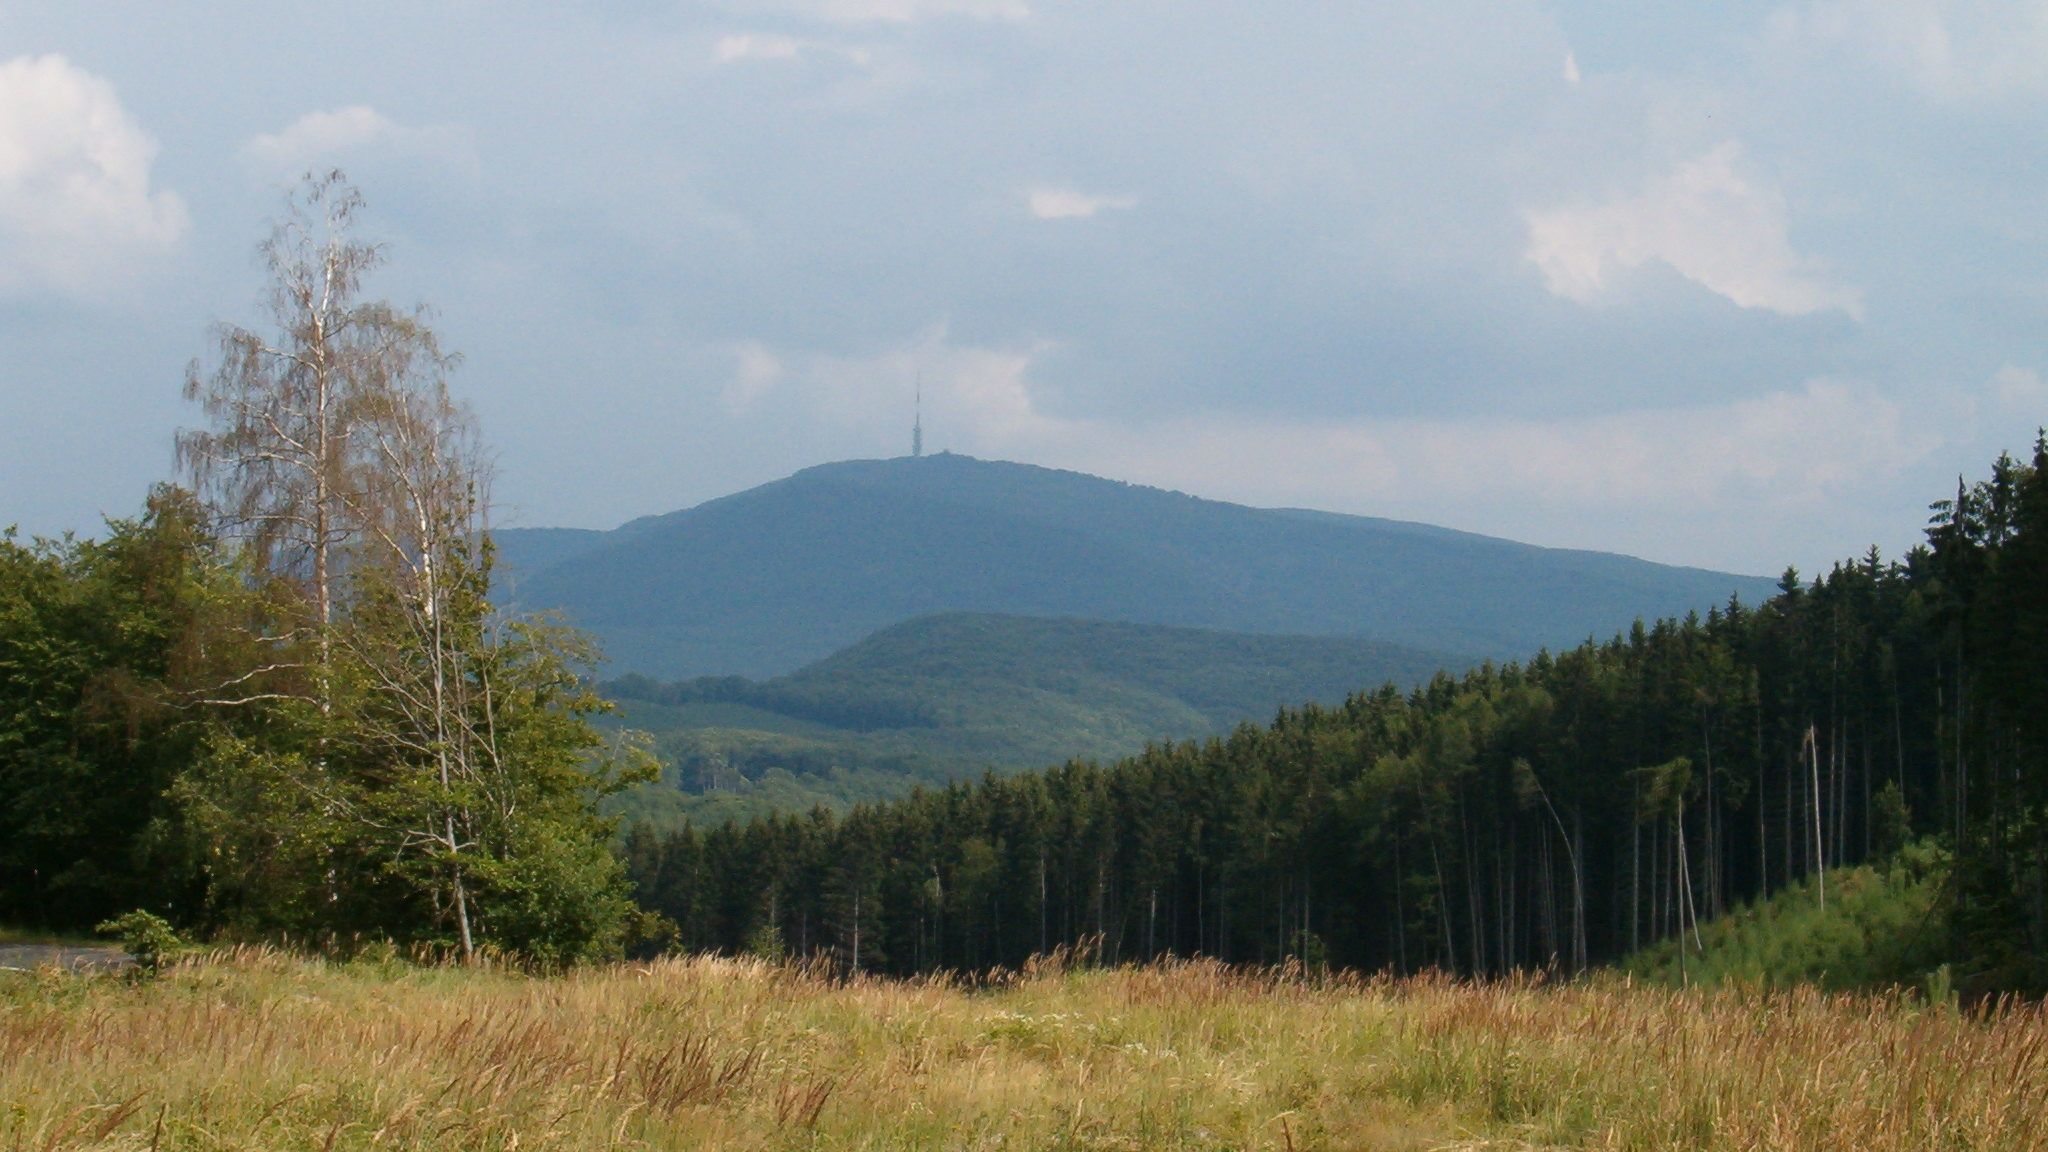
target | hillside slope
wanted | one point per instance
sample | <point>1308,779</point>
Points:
<point>1882,924</point>
<point>946,696</point>
<point>768,580</point>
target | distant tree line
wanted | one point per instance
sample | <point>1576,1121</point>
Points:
<point>281,703</point>
<point>855,706</point>
<point>1558,813</point>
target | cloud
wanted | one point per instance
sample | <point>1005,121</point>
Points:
<point>1706,221</point>
<point>979,396</point>
<point>77,215</point>
<point>1948,49</point>
<point>1823,438</point>
<point>742,46</point>
<point>1747,485</point>
<point>894,11</point>
<point>1067,204</point>
<point>2019,388</point>
<point>756,373</point>
<point>756,46</point>
<point>1571,69</point>
<point>321,138</point>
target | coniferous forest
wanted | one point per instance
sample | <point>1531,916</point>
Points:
<point>1554,814</point>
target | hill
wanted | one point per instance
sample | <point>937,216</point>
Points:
<point>768,580</point>
<point>945,696</point>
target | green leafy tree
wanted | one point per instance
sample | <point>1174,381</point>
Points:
<point>102,664</point>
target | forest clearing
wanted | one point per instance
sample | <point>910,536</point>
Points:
<point>255,1048</point>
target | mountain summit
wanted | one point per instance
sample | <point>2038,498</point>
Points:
<point>766,580</point>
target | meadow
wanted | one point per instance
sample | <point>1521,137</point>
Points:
<point>255,1048</point>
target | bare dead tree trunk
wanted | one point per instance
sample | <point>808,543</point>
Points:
<point>1687,909</point>
<point>1635,868</point>
<point>1819,845</point>
<point>1713,876</point>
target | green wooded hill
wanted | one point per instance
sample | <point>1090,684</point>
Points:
<point>1570,810</point>
<point>951,695</point>
<point>769,580</point>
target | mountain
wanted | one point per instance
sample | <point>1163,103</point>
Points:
<point>765,581</point>
<point>941,697</point>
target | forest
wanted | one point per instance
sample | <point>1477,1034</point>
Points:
<point>1554,814</point>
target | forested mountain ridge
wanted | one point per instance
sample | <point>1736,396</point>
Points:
<point>941,697</point>
<point>1565,811</point>
<point>765,581</point>
<point>1221,677</point>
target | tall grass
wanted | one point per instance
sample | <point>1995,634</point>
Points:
<point>257,1049</point>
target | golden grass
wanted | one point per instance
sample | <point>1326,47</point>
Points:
<point>254,1049</point>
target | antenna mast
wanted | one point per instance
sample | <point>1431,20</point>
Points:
<point>917,427</point>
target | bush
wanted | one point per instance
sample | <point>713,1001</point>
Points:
<point>147,937</point>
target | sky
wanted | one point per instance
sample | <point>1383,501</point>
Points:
<point>1736,285</point>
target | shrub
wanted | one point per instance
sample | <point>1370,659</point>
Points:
<point>147,937</point>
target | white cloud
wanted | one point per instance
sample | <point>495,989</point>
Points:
<point>1949,49</point>
<point>2021,388</point>
<point>1571,69</point>
<point>321,138</point>
<point>1803,445</point>
<point>976,399</point>
<point>756,373</point>
<point>1707,221</point>
<point>1067,204</point>
<point>887,11</point>
<point>756,46</point>
<point>742,46</point>
<point>77,215</point>
<point>1748,485</point>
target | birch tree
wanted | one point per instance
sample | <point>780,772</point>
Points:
<point>452,770</point>
<point>421,634</point>
<point>282,460</point>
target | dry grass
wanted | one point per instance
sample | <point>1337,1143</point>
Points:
<point>258,1050</point>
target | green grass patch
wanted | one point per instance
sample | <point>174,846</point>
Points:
<point>1880,925</point>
